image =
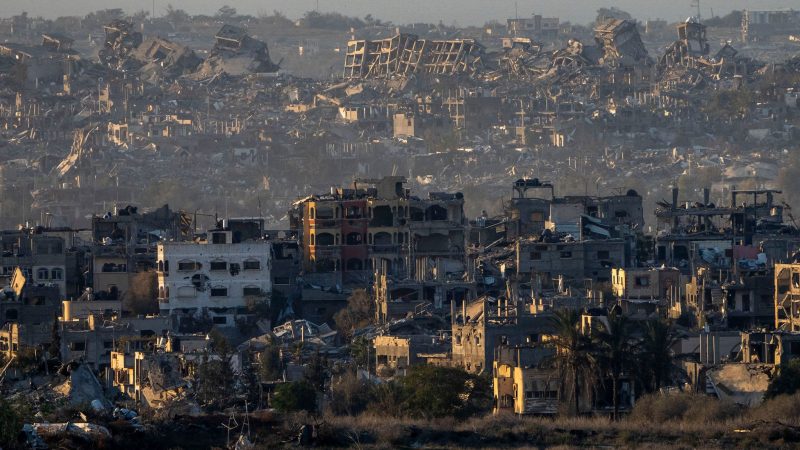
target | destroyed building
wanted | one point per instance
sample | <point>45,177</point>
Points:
<point>482,325</point>
<point>236,53</point>
<point>377,225</point>
<point>221,278</point>
<point>121,39</point>
<point>28,312</point>
<point>406,54</point>
<point>163,59</point>
<point>620,43</point>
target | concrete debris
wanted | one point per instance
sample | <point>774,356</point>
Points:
<point>83,388</point>
<point>89,431</point>
<point>235,53</point>
<point>305,331</point>
<point>743,384</point>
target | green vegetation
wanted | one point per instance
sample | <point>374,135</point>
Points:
<point>295,396</point>
<point>575,360</point>
<point>214,373</point>
<point>360,312</point>
<point>270,365</point>
<point>617,352</point>
<point>787,381</point>
<point>432,391</point>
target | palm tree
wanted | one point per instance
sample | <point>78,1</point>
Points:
<point>656,352</point>
<point>617,351</point>
<point>574,359</point>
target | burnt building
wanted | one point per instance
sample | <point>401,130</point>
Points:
<point>378,224</point>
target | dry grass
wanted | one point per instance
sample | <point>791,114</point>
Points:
<point>661,422</point>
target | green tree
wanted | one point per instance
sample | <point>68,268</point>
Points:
<point>574,358</point>
<point>787,380</point>
<point>316,372</point>
<point>431,391</point>
<point>350,395</point>
<point>360,312</point>
<point>214,373</point>
<point>616,345</point>
<point>270,364</point>
<point>387,399</point>
<point>295,396</point>
<point>656,353</point>
<point>360,352</point>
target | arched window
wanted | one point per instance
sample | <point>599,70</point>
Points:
<point>355,264</point>
<point>312,240</point>
<point>435,212</point>
<point>312,213</point>
<point>57,274</point>
<point>42,274</point>
<point>325,239</point>
<point>382,238</point>
<point>354,238</point>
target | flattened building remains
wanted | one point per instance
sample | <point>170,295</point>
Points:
<point>464,119</point>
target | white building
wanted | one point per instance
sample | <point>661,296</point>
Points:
<point>217,278</point>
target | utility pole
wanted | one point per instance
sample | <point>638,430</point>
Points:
<point>696,4</point>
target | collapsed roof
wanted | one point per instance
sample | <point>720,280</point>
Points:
<point>236,53</point>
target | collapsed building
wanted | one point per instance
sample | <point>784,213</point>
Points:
<point>406,54</point>
<point>162,59</point>
<point>121,40</point>
<point>235,53</point>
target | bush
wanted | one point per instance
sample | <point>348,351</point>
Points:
<point>787,381</point>
<point>387,399</point>
<point>349,394</point>
<point>432,391</point>
<point>270,366</point>
<point>784,408</point>
<point>694,408</point>
<point>295,396</point>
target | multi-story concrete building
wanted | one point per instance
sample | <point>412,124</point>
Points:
<point>125,244</point>
<point>43,259</point>
<point>348,234</point>
<point>220,278</point>
<point>483,325</point>
<point>575,260</point>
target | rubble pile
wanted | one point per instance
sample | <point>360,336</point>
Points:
<point>235,53</point>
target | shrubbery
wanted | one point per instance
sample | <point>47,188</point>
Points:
<point>425,392</point>
<point>295,396</point>
<point>696,408</point>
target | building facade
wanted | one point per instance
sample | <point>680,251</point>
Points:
<point>215,279</point>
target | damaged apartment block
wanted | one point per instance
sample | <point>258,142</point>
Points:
<point>406,54</point>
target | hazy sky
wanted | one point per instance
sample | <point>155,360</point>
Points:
<point>464,12</point>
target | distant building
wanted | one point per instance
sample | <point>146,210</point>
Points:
<point>350,233</point>
<point>219,278</point>
<point>536,25</point>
